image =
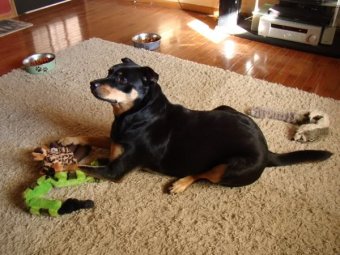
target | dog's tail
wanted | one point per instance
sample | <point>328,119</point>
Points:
<point>296,157</point>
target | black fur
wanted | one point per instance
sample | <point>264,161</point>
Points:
<point>176,141</point>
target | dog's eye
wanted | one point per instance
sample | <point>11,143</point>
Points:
<point>124,80</point>
<point>121,80</point>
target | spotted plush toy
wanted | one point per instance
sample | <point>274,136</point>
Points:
<point>57,158</point>
<point>60,166</point>
<point>311,125</point>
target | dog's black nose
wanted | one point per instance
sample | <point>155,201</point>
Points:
<point>94,85</point>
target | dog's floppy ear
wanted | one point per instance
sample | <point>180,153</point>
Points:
<point>127,61</point>
<point>149,74</point>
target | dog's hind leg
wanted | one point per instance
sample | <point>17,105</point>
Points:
<point>214,175</point>
<point>236,173</point>
<point>243,173</point>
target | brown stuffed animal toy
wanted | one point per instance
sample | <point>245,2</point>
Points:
<point>57,158</point>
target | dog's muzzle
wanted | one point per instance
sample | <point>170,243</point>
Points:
<point>94,86</point>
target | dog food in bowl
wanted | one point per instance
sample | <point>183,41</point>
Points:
<point>39,63</point>
<point>148,41</point>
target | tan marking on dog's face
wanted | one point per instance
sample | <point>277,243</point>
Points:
<point>108,93</point>
<point>121,101</point>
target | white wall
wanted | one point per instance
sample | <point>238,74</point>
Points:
<point>248,5</point>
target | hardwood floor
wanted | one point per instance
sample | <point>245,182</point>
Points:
<point>186,35</point>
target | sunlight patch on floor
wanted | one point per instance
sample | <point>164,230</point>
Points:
<point>229,49</point>
<point>214,35</point>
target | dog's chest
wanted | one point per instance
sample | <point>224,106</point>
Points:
<point>127,129</point>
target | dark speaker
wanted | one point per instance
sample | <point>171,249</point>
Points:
<point>229,10</point>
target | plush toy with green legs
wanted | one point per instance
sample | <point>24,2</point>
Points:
<point>35,197</point>
<point>63,176</point>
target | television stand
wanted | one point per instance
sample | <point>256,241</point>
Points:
<point>328,42</point>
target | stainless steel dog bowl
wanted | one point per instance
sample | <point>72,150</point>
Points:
<point>148,41</point>
<point>39,63</point>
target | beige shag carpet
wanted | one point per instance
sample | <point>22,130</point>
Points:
<point>290,210</point>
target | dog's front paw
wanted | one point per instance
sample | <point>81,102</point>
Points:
<point>103,161</point>
<point>102,169</point>
<point>70,141</point>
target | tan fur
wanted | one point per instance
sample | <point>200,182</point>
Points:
<point>97,141</point>
<point>116,151</point>
<point>182,184</point>
<point>214,175</point>
<point>119,108</point>
<point>109,93</point>
<point>37,156</point>
<point>124,101</point>
<point>101,142</point>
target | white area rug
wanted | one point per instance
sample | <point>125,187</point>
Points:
<point>290,210</point>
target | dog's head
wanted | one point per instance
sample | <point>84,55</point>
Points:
<point>125,84</point>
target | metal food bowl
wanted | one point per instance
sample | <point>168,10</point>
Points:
<point>39,63</point>
<point>148,41</point>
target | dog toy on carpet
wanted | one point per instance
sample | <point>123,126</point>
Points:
<point>61,169</point>
<point>57,158</point>
<point>312,125</point>
<point>35,197</point>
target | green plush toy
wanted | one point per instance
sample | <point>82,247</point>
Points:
<point>61,169</point>
<point>35,197</point>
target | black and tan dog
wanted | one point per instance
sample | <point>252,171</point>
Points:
<point>223,146</point>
